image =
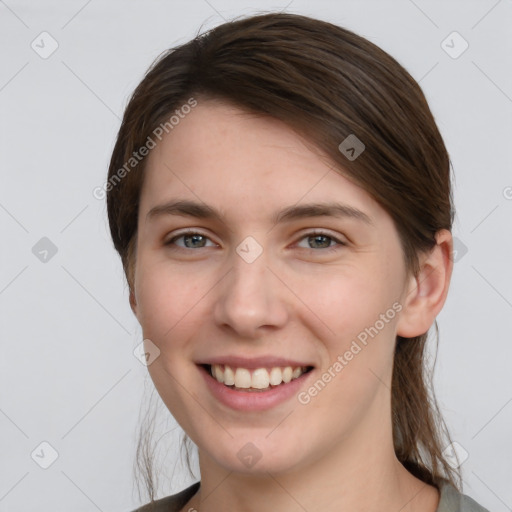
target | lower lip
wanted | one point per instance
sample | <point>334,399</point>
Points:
<point>253,400</point>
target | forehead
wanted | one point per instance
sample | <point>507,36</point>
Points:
<point>246,163</point>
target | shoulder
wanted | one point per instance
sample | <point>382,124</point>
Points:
<point>172,503</point>
<point>451,500</point>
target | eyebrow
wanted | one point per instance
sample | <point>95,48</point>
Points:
<point>197,210</point>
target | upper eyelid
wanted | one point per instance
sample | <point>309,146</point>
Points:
<point>187,232</point>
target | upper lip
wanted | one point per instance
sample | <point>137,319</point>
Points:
<point>253,362</point>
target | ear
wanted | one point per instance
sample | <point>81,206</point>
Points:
<point>426,292</point>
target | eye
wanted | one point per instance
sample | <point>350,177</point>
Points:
<point>191,239</point>
<point>318,238</point>
<point>322,240</point>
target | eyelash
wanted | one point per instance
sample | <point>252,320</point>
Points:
<point>306,235</point>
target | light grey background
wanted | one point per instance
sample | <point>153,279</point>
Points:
<point>68,376</point>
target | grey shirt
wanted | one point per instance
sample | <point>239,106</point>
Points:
<point>450,500</point>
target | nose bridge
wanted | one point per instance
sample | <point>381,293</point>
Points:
<point>249,297</point>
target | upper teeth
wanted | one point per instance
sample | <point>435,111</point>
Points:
<point>260,378</point>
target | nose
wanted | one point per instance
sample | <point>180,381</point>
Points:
<point>250,298</point>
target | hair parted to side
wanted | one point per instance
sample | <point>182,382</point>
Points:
<point>326,83</point>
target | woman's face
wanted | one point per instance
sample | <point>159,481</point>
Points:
<point>265,283</point>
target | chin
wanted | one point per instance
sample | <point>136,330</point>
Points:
<point>254,455</point>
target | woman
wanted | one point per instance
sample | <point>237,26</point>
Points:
<point>280,197</point>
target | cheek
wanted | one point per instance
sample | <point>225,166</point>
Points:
<point>347,299</point>
<point>169,298</point>
<point>358,311</point>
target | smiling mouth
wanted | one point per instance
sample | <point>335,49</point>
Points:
<point>254,380</point>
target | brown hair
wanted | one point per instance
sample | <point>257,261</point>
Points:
<point>326,83</point>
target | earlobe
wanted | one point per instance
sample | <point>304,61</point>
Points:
<point>426,293</point>
<point>133,302</point>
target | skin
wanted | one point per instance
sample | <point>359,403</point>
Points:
<point>296,299</point>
